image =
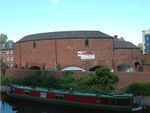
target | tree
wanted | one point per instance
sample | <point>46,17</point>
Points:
<point>139,89</point>
<point>3,38</point>
<point>10,42</point>
<point>140,45</point>
<point>105,78</point>
<point>102,80</point>
<point>3,67</point>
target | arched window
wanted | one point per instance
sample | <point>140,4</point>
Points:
<point>125,68</point>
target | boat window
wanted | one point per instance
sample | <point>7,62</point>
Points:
<point>59,96</point>
<point>122,102</point>
<point>104,101</point>
<point>26,92</point>
<point>43,94</point>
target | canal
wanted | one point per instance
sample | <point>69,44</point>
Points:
<point>9,105</point>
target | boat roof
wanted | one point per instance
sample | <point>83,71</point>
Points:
<point>63,91</point>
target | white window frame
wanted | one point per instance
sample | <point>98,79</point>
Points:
<point>11,59</point>
<point>8,59</point>
<point>7,52</point>
<point>11,52</point>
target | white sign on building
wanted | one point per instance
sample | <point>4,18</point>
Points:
<point>87,56</point>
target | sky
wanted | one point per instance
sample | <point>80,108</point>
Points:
<point>125,18</point>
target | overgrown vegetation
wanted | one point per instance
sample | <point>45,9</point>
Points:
<point>3,67</point>
<point>100,80</point>
<point>139,88</point>
<point>38,79</point>
<point>5,80</point>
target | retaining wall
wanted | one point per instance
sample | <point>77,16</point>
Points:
<point>125,78</point>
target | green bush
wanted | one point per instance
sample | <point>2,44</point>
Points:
<point>139,88</point>
<point>3,68</point>
<point>67,81</point>
<point>105,78</point>
<point>38,80</point>
<point>101,80</point>
<point>6,80</point>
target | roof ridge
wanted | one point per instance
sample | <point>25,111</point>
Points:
<point>66,34</point>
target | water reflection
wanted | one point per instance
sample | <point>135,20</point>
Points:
<point>8,105</point>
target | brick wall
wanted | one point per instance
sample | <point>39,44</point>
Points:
<point>147,62</point>
<point>147,68</point>
<point>63,52</point>
<point>147,57</point>
<point>128,78</point>
<point>126,56</point>
<point>124,78</point>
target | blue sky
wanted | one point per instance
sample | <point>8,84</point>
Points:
<point>125,18</point>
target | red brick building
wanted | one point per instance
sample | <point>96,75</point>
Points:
<point>7,54</point>
<point>147,62</point>
<point>75,50</point>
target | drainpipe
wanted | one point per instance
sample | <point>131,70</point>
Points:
<point>113,66</point>
<point>55,54</point>
<point>20,55</point>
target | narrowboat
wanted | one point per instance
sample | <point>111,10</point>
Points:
<point>105,101</point>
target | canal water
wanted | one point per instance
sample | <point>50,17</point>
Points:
<point>9,105</point>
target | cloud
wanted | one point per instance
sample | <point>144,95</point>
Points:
<point>55,1</point>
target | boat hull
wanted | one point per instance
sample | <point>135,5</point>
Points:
<point>75,104</point>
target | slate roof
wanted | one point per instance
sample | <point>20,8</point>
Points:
<point>6,47</point>
<point>122,44</point>
<point>118,44</point>
<point>66,35</point>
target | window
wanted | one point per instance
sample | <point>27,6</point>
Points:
<point>10,45</point>
<point>8,65</point>
<point>11,59</point>
<point>59,96</point>
<point>7,58</point>
<point>86,42</point>
<point>26,92</point>
<point>104,101</point>
<point>43,94</point>
<point>34,45</point>
<point>7,52</point>
<point>11,65</point>
<point>11,52</point>
<point>121,102</point>
<point>3,45</point>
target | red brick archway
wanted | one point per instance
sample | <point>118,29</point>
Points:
<point>94,68</point>
<point>34,68</point>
